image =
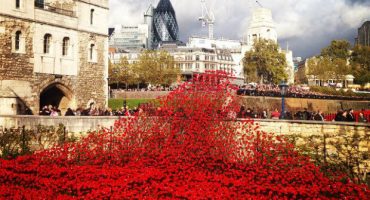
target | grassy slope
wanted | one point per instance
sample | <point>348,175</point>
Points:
<point>131,103</point>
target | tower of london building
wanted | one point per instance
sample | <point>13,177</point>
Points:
<point>54,53</point>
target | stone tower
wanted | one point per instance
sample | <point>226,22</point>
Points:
<point>261,26</point>
<point>54,53</point>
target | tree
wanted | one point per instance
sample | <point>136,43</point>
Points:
<point>157,68</point>
<point>113,73</point>
<point>121,72</point>
<point>264,63</point>
<point>332,62</point>
<point>125,71</point>
<point>360,61</point>
<point>337,49</point>
<point>325,68</point>
<point>314,68</point>
<point>341,68</point>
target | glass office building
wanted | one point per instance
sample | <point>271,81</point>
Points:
<point>165,27</point>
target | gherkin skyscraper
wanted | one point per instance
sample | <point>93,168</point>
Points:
<point>165,27</point>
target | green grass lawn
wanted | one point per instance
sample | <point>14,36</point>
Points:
<point>131,103</point>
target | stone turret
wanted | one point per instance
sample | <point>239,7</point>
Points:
<point>261,26</point>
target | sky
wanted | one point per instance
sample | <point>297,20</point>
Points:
<point>304,26</point>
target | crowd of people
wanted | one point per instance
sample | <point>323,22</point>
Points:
<point>349,116</point>
<point>92,110</point>
<point>293,91</point>
<point>305,114</point>
<point>149,88</point>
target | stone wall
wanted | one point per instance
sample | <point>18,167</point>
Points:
<point>296,104</point>
<point>92,79</point>
<point>332,141</point>
<point>307,128</point>
<point>29,72</point>
<point>79,124</point>
<point>292,104</point>
<point>16,68</point>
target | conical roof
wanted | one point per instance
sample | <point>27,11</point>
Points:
<point>165,6</point>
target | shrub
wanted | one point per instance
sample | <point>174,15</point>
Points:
<point>20,141</point>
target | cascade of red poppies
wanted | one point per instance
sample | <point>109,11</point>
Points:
<point>191,147</point>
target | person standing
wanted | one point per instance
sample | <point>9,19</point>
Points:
<point>340,116</point>
<point>361,118</point>
<point>350,116</point>
<point>69,112</point>
<point>275,114</point>
<point>318,116</point>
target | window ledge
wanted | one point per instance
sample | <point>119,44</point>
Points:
<point>67,56</point>
<point>21,10</point>
<point>18,52</point>
<point>47,55</point>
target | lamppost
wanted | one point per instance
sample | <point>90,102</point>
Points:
<point>283,90</point>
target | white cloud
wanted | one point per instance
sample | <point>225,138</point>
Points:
<point>304,23</point>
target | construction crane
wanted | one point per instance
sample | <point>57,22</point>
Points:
<point>207,18</point>
<point>259,4</point>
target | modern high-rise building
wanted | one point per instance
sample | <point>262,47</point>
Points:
<point>160,26</point>
<point>165,27</point>
<point>129,37</point>
<point>363,37</point>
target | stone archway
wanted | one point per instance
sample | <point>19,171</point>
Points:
<point>57,95</point>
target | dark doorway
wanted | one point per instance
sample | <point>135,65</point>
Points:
<point>56,95</point>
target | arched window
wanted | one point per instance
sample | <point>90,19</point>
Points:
<point>17,40</point>
<point>91,52</point>
<point>47,41</point>
<point>17,3</point>
<point>91,16</point>
<point>65,46</point>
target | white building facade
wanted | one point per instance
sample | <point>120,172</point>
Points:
<point>190,60</point>
<point>262,26</point>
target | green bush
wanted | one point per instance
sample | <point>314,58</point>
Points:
<point>16,142</point>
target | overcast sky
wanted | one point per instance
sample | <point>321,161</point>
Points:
<point>306,25</point>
